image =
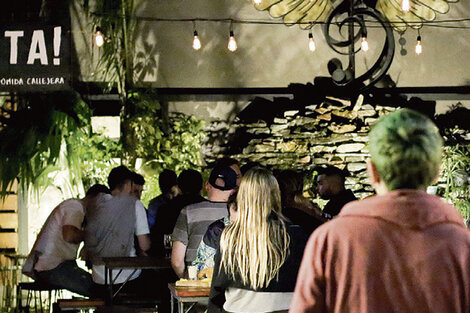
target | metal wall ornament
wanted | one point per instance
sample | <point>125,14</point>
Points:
<point>306,12</point>
<point>387,14</point>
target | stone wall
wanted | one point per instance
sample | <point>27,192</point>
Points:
<point>333,132</point>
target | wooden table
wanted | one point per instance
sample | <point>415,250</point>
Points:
<point>134,263</point>
<point>184,295</point>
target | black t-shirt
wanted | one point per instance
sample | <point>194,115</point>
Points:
<point>334,206</point>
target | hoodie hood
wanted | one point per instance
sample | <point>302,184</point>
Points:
<point>408,208</point>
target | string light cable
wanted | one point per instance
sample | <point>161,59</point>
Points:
<point>435,23</point>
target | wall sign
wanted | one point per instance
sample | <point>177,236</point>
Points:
<point>34,58</point>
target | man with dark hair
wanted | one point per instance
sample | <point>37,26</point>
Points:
<point>190,184</point>
<point>138,183</point>
<point>233,164</point>
<point>402,250</point>
<point>194,219</point>
<point>52,258</point>
<point>330,186</point>
<point>113,224</point>
<point>169,189</point>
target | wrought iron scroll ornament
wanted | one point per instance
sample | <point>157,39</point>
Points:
<point>356,14</point>
<point>387,13</point>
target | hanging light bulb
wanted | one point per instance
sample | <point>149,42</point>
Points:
<point>364,43</point>
<point>99,37</point>
<point>256,2</point>
<point>419,46</point>
<point>311,42</point>
<point>196,41</point>
<point>232,43</point>
<point>405,5</point>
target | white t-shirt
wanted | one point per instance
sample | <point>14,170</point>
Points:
<point>141,228</point>
<point>50,244</point>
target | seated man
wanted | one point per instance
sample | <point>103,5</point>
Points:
<point>52,258</point>
<point>194,219</point>
<point>138,183</point>
<point>402,250</point>
<point>330,186</point>
<point>167,181</point>
<point>112,225</point>
<point>190,184</point>
<point>210,242</point>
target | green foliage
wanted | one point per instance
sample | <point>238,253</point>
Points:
<point>456,171</point>
<point>147,139</point>
<point>97,154</point>
<point>33,137</point>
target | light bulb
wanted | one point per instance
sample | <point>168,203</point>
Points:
<point>405,5</point>
<point>419,46</point>
<point>232,43</point>
<point>196,42</point>
<point>99,38</point>
<point>257,1</point>
<point>311,42</point>
<point>364,43</point>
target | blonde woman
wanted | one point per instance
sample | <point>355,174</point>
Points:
<point>259,256</point>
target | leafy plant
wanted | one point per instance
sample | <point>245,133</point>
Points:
<point>456,173</point>
<point>33,133</point>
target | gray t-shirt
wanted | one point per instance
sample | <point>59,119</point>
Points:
<point>192,224</point>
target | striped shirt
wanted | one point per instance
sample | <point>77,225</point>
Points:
<point>192,224</point>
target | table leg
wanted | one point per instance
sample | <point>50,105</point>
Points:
<point>172,304</point>
<point>180,307</point>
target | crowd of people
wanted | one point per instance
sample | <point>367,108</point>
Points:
<point>266,246</point>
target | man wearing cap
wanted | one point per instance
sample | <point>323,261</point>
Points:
<point>194,219</point>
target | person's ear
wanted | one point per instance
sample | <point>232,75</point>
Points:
<point>372,173</point>
<point>208,186</point>
<point>438,174</point>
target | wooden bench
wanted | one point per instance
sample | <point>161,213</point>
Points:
<point>63,305</point>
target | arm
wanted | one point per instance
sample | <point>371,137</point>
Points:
<point>180,240</point>
<point>177,258</point>
<point>141,228</point>
<point>144,243</point>
<point>72,234</point>
<point>309,294</point>
<point>218,286</point>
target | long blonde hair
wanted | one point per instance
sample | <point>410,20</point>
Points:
<point>256,244</point>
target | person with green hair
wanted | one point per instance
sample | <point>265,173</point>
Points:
<point>402,250</point>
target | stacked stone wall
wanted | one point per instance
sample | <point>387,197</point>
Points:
<point>331,133</point>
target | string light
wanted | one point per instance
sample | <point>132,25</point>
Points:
<point>311,42</point>
<point>99,37</point>
<point>419,46</point>
<point>232,43</point>
<point>196,41</point>
<point>405,5</point>
<point>364,43</point>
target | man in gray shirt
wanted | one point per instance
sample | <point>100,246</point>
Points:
<point>194,219</point>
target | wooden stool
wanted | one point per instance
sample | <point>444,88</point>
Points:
<point>34,293</point>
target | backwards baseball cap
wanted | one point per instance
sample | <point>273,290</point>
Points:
<point>226,174</point>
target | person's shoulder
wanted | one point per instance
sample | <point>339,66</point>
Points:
<point>71,204</point>
<point>157,201</point>
<point>200,205</point>
<point>213,233</point>
<point>296,232</point>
